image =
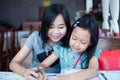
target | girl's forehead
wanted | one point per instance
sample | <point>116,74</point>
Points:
<point>80,32</point>
<point>79,29</point>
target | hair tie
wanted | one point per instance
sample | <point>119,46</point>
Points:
<point>76,23</point>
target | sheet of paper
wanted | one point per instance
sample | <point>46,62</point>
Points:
<point>10,76</point>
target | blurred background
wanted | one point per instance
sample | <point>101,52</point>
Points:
<point>15,12</point>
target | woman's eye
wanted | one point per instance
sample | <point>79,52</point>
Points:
<point>51,27</point>
<point>61,27</point>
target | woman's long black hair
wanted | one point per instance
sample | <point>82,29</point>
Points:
<point>48,18</point>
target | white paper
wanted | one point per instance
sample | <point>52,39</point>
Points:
<point>10,76</point>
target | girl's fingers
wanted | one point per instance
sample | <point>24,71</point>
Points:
<point>32,78</point>
<point>34,73</point>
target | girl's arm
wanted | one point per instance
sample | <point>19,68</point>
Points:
<point>48,61</point>
<point>15,64</point>
<point>86,74</point>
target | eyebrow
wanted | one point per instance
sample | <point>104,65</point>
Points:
<point>58,24</point>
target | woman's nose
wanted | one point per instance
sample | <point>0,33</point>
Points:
<point>56,31</point>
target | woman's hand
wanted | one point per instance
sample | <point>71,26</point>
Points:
<point>31,74</point>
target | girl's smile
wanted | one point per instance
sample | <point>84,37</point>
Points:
<point>79,40</point>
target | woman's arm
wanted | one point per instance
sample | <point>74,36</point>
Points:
<point>15,64</point>
<point>88,73</point>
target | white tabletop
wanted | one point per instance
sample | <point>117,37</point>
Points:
<point>13,76</point>
<point>10,76</point>
<point>110,75</point>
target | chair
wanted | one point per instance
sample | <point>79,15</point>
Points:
<point>110,56</point>
<point>1,47</point>
<point>31,26</point>
<point>14,45</point>
<point>9,52</point>
<point>3,56</point>
<point>108,43</point>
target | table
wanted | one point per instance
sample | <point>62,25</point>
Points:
<point>10,76</point>
<point>14,76</point>
<point>110,75</point>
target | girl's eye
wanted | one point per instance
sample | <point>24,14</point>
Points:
<point>74,38</point>
<point>51,27</point>
<point>83,42</point>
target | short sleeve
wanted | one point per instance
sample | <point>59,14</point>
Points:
<point>97,53</point>
<point>57,48</point>
<point>30,40</point>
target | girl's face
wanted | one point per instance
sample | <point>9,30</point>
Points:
<point>79,40</point>
<point>57,29</point>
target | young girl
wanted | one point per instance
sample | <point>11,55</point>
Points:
<point>81,52</point>
<point>54,29</point>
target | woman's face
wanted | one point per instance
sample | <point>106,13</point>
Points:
<point>79,40</point>
<point>57,29</point>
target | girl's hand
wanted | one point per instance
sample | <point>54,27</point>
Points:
<point>31,74</point>
<point>42,74</point>
<point>42,77</point>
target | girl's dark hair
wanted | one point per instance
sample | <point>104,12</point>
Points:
<point>48,18</point>
<point>88,22</point>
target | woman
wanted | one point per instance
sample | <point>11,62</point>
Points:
<point>54,29</point>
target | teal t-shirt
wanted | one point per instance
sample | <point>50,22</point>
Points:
<point>69,58</point>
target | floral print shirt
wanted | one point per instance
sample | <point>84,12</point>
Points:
<point>69,58</point>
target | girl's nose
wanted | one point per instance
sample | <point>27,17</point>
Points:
<point>77,43</point>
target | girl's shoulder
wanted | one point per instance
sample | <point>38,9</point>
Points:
<point>59,47</point>
<point>97,52</point>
